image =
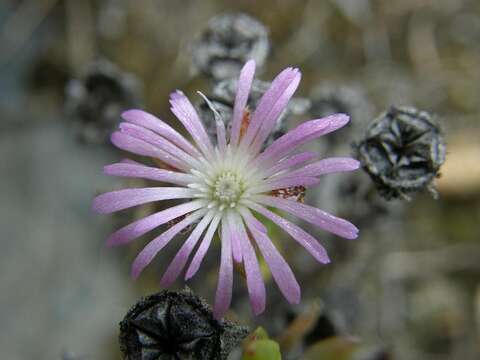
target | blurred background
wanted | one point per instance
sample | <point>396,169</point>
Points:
<point>408,288</point>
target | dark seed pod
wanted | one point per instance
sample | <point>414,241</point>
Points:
<point>223,98</point>
<point>176,325</point>
<point>227,43</point>
<point>402,151</point>
<point>96,100</point>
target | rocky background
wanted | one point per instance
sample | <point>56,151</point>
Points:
<point>408,288</point>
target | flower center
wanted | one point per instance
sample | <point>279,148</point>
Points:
<point>228,188</point>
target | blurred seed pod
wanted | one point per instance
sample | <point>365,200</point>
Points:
<point>96,100</point>
<point>227,43</point>
<point>223,97</point>
<point>176,325</point>
<point>402,151</point>
<point>330,98</point>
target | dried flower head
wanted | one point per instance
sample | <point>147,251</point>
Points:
<point>225,185</point>
<point>176,325</point>
<point>402,151</point>
<point>227,43</point>
<point>96,100</point>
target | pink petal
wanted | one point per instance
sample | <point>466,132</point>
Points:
<point>138,228</point>
<point>131,162</point>
<point>267,102</point>
<point>248,216</point>
<point>140,147</point>
<point>285,182</point>
<point>221,135</point>
<point>281,272</point>
<point>203,248</point>
<point>280,105</point>
<point>255,284</point>
<point>290,162</point>
<point>151,122</point>
<point>298,234</point>
<point>302,134</point>
<point>178,263</point>
<point>223,296</point>
<point>234,233</point>
<point>159,142</point>
<point>243,91</point>
<point>141,171</point>
<point>157,244</point>
<point>326,166</point>
<point>126,198</point>
<point>313,215</point>
<point>186,113</point>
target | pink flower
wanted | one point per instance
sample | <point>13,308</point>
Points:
<point>224,186</point>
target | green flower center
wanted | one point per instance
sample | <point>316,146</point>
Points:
<point>228,188</point>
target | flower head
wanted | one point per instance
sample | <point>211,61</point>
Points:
<point>225,186</point>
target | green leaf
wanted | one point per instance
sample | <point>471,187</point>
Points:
<point>259,347</point>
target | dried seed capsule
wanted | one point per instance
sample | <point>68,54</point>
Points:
<point>223,97</point>
<point>227,43</point>
<point>402,151</point>
<point>176,325</point>
<point>96,100</point>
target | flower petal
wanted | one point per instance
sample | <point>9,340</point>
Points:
<point>313,215</point>
<point>151,122</point>
<point>126,198</point>
<point>143,148</point>
<point>141,171</point>
<point>297,233</point>
<point>186,113</point>
<point>178,263</point>
<point>243,91</point>
<point>223,296</point>
<point>269,121</point>
<point>153,247</point>
<point>284,182</point>
<point>234,232</point>
<point>290,162</point>
<point>138,228</point>
<point>267,102</point>
<point>221,135</point>
<point>255,284</point>
<point>158,141</point>
<point>281,272</point>
<point>326,166</point>
<point>248,216</point>
<point>302,134</point>
<point>203,248</point>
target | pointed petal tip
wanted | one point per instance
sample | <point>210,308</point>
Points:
<point>339,120</point>
<point>249,64</point>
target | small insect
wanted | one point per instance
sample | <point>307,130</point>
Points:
<point>296,193</point>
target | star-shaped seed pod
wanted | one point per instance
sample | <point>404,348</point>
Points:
<point>402,151</point>
<point>176,325</point>
<point>227,43</point>
<point>96,99</point>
